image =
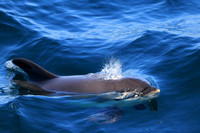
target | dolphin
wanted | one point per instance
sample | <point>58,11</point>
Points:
<point>42,81</point>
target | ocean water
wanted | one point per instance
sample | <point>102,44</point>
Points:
<point>155,38</point>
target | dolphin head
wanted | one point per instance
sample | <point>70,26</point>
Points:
<point>149,91</point>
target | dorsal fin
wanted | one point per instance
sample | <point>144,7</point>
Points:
<point>34,71</point>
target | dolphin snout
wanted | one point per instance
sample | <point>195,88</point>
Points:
<point>157,91</point>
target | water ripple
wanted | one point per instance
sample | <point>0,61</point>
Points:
<point>159,38</point>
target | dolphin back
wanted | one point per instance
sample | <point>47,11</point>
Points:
<point>34,71</point>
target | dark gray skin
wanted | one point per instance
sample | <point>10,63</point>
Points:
<point>44,82</point>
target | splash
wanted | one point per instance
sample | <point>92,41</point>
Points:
<point>10,66</point>
<point>112,70</point>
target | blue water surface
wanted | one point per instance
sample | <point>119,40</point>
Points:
<point>160,38</point>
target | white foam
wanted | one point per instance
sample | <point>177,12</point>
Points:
<point>112,70</point>
<point>9,65</point>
